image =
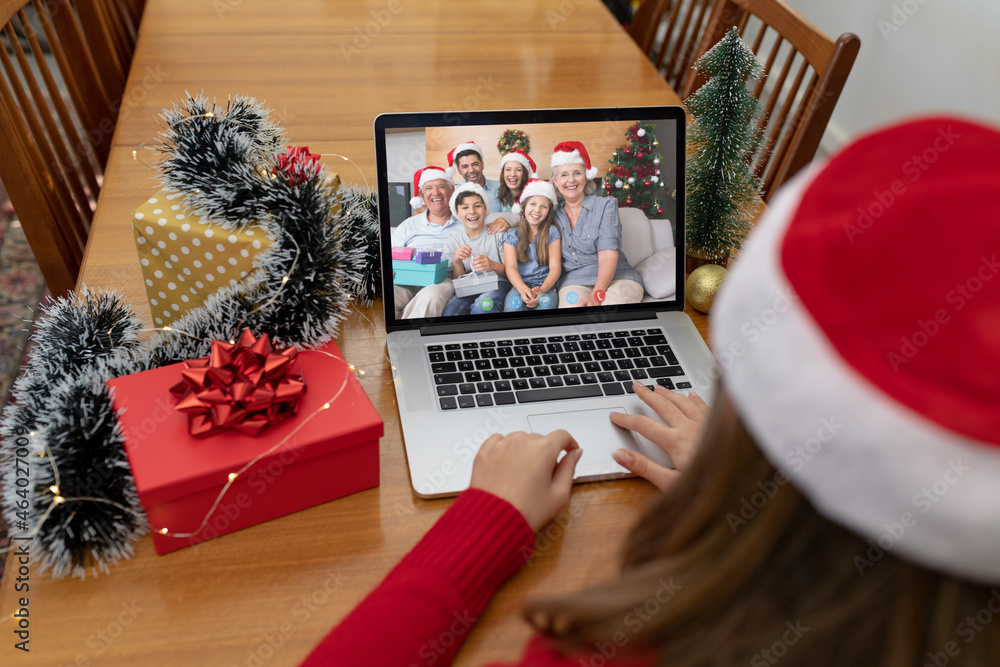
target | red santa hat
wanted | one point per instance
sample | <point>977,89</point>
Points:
<point>461,148</point>
<point>522,158</point>
<point>533,188</point>
<point>861,322</point>
<point>572,152</point>
<point>469,187</point>
<point>423,176</point>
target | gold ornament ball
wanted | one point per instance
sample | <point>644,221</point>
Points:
<point>702,286</point>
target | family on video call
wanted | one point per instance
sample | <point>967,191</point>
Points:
<point>564,251</point>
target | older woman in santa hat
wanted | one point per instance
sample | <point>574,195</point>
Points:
<point>840,502</point>
<point>595,271</point>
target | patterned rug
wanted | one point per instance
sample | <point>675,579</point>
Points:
<point>22,288</point>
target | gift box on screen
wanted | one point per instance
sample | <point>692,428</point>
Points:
<point>476,282</point>
<point>427,257</point>
<point>314,455</point>
<point>402,253</point>
<point>184,261</point>
<point>418,275</point>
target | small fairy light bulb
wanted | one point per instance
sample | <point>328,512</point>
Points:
<point>167,329</point>
<point>232,476</point>
<point>54,489</point>
<point>361,372</point>
<point>209,114</point>
<point>58,500</point>
<point>135,154</point>
<point>284,279</point>
<point>163,531</point>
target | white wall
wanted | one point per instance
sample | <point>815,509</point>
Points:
<point>917,56</point>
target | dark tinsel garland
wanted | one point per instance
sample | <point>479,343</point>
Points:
<point>360,213</point>
<point>220,158</point>
<point>79,501</point>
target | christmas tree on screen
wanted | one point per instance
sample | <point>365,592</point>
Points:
<point>634,175</point>
<point>725,135</point>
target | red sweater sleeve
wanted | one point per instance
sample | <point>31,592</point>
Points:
<point>424,609</point>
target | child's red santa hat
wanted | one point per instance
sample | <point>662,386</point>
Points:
<point>862,323</point>
<point>461,148</point>
<point>531,189</point>
<point>572,152</point>
<point>423,176</point>
<point>522,158</point>
<point>469,187</point>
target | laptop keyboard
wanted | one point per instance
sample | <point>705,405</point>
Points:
<point>508,371</point>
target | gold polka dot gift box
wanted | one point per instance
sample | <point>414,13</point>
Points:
<point>183,260</point>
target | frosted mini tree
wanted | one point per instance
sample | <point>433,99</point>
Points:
<point>725,134</point>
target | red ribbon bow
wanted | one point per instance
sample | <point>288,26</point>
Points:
<point>245,385</point>
<point>297,164</point>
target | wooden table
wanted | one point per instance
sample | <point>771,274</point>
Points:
<point>266,595</point>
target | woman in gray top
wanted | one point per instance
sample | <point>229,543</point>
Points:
<point>595,272</point>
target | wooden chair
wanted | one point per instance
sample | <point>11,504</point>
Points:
<point>62,75</point>
<point>804,74</point>
<point>670,32</point>
<point>804,70</point>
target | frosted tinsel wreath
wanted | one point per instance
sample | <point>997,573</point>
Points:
<point>65,475</point>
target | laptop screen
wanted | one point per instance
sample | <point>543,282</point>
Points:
<point>466,237</point>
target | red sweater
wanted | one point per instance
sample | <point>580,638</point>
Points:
<point>424,609</point>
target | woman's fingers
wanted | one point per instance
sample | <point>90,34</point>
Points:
<point>640,465</point>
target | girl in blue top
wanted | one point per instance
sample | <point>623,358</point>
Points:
<point>533,251</point>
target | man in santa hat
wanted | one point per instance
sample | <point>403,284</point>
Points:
<point>427,229</point>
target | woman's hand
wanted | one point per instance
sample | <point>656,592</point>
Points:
<point>521,468</point>
<point>679,433</point>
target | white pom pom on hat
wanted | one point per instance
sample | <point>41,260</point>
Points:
<point>469,187</point>
<point>533,188</point>
<point>420,178</point>
<point>572,152</point>
<point>866,305</point>
<point>461,148</point>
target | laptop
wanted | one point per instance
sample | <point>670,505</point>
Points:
<point>460,379</point>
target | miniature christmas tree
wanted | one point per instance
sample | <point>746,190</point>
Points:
<point>634,175</point>
<point>725,134</point>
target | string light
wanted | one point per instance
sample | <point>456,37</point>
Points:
<point>59,499</point>
<point>232,476</point>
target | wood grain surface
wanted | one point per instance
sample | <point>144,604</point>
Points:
<point>267,594</point>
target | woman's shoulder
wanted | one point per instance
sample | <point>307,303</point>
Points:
<point>600,201</point>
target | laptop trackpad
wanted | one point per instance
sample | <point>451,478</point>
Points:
<point>595,433</point>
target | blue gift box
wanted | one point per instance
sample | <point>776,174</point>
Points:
<point>418,275</point>
<point>427,257</point>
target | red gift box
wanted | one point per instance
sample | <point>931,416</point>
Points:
<point>179,477</point>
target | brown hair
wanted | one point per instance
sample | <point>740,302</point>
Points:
<point>743,569</point>
<point>507,196</point>
<point>465,194</point>
<point>542,240</point>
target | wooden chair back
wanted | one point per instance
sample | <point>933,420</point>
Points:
<point>804,74</point>
<point>670,32</point>
<point>63,68</point>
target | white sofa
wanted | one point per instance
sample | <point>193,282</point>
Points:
<point>648,246</point>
